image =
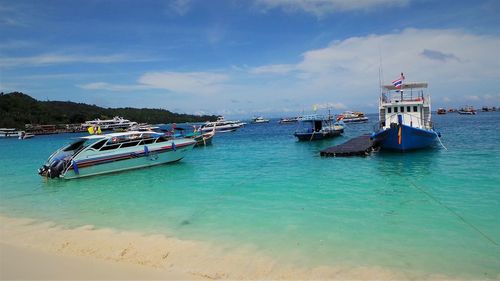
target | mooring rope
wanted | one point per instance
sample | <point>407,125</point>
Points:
<point>460,217</point>
<point>439,138</point>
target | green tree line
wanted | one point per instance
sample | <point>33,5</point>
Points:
<point>18,109</point>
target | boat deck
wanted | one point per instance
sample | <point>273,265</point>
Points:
<point>358,146</point>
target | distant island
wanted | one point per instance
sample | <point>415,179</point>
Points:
<point>18,109</point>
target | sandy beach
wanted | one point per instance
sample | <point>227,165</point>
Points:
<point>30,249</point>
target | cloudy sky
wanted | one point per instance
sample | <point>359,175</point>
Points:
<point>243,58</point>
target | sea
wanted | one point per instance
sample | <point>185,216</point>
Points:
<point>433,211</point>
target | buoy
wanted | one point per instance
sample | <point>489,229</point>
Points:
<point>75,167</point>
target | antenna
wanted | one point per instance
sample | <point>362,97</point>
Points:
<point>380,70</point>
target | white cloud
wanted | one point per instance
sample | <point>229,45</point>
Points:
<point>112,87</point>
<point>321,8</point>
<point>352,65</point>
<point>180,82</point>
<point>345,72</point>
<point>50,59</point>
<point>273,69</point>
<point>331,105</point>
<point>184,82</point>
<point>16,44</point>
<point>180,7</point>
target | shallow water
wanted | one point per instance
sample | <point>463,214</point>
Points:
<point>434,211</point>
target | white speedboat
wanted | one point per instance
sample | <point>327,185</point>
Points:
<point>8,133</point>
<point>467,110</point>
<point>352,117</point>
<point>259,119</point>
<point>289,120</point>
<point>110,124</point>
<point>222,125</point>
<point>100,154</point>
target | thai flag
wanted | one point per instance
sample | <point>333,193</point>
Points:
<point>398,82</point>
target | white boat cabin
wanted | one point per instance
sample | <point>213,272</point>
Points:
<point>409,102</point>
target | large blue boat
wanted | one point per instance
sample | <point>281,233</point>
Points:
<point>405,118</point>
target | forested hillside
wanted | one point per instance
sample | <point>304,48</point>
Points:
<point>18,109</point>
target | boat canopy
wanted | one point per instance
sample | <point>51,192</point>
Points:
<point>122,134</point>
<point>312,117</point>
<point>413,85</point>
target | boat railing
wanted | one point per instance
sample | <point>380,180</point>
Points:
<point>413,120</point>
<point>401,96</point>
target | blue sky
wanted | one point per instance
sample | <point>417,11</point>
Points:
<point>244,58</point>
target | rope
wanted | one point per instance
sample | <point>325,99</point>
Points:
<point>484,235</point>
<point>440,142</point>
<point>312,136</point>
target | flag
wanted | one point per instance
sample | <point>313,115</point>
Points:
<point>398,82</point>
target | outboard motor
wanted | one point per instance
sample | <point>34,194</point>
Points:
<point>54,169</point>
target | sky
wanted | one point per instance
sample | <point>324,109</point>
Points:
<point>243,58</point>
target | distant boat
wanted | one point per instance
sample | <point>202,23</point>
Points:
<point>110,124</point>
<point>290,120</point>
<point>100,154</point>
<point>405,118</point>
<point>201,138</point>
<point>486,109</point>
<point>317,127</point>
<point>143,127</point>
<point>441,111</point>
<point>259,119</point>
<point>8,133</point>
<point>204,139</point>
<point>23,135</point>
<point>222,125</point>
<point>467,110</point>
<point>452,110</point>
<point>352,117</point>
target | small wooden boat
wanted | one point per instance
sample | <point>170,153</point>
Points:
<point>201,138</point>
<point>441,111</point>
<point>204,139</point>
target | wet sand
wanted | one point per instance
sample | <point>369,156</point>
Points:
<point>30,249</point>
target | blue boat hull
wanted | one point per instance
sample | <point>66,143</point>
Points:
<point>411,138</point>
<point>308,136</point>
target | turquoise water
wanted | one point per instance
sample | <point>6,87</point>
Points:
<point>428,212</point>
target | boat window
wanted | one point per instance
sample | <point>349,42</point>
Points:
<point>408,109</point>
<point>74,146</point>
<point>402,109</point>
<point>109,147</point>
<point>98,144</point>
<point>148,141</point>
<point>415,109</point>
<point>395,109</point>
<point>389,109</point>
<point>129,144</point>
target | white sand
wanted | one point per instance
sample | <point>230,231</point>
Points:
<point>43,250</point>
